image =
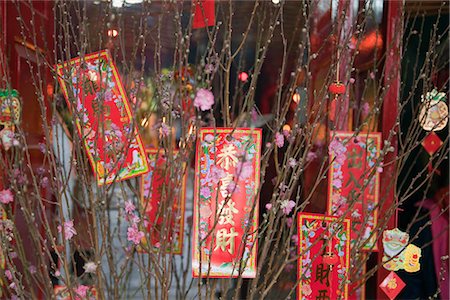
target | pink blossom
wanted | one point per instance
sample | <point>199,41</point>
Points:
<point>244,169</point>
<point>69,231</point>
<point>232,187</point>
<point>372,75</point>
<point>8,275</point>
<point>254,115</point>
<point>380,168</point>
<point>216,174</point>
<point>134,234</point>
<point>129,207</point>
<point>295,239</point>
<point>292,162</point>
<point>279,139</point>
<point>6,196</point>
<point>204,99</point>
<point>81,291</point>
<point>268,145</point>
<point>287,206</point>
<point>32,269</point>
<point>165,130</point>
<point>352,80</point>
<point>57,273</point>
<point>310,156</point>
<point>268,206</point>
<point>289,222</point>
<point>365,109</point>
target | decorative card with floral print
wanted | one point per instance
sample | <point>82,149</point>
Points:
<point>324,257</point>
<point>99,103</point>
<point>227,177</point>
<point>353,183</point>
<point>163,186</point>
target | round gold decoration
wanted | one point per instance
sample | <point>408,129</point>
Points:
<point>434,111</point>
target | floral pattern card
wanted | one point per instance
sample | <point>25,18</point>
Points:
<point>354,180</point>
<point>227,177</point>
<point>324,257</point>
<point>96,97</point>
<point>162,187</point>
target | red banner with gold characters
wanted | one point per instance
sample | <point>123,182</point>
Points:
<point>227,177</point>
<point>97,99</point>
<point>324,257</point>
<point>163,185</point>
<point>354,180</point>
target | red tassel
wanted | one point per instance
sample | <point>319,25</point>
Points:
<point>204,13</point>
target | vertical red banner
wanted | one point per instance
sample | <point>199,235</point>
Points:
<point>103,117</point>
<point>354,179</point>
<point>324,257</point>
<point>227,177</point>
<point>164,186</point>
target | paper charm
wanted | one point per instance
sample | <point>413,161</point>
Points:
<point>324,257</point>
<point>227,177</point>
<point>434,111</point>
<point>95,95</point>
<point>352,179</point>
<point>411,258</point>
<point>398,254</point>
<point>10,113</point>
<point>164,185</point>
<point>392,285</point>
<point>432,143</point>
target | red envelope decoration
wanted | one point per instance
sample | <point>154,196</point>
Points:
<point>352,160</point>
<point>324,257</point>
<point>227,176</point>
<point>158,190</point>
<point>432,143</point>
<point>392,285</point>
<point>103,117</point>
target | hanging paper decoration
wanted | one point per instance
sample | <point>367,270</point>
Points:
<point>204,13</point>
<point>398,254</point>
<point>103,117</point>
<point>164,185</point>
<point>227,176</point>
<point>10,112</point>
<point>353,178</point>
<point>431,143</point>
<point>324,257</point>
<point>434,111</point>
<point>392,285</point>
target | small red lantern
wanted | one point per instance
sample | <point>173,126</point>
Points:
<point>330,259</point>
<point>337,88</point>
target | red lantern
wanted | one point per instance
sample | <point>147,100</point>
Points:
<point>337,88</point>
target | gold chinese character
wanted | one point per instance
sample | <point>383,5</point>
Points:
<point>226,213</point>
<point>224,183</point>
<point>225,239</point>
<point>227,157</point>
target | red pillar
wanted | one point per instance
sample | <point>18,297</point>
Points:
<point>394,35</point>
